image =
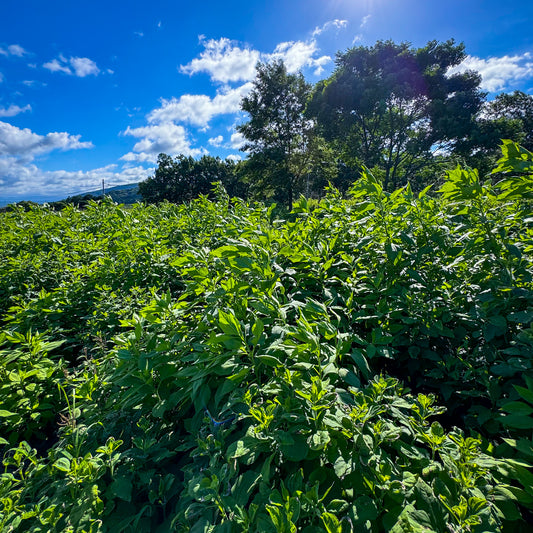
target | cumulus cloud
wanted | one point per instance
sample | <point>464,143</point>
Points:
<point>237,140</point>
<point>84,66</point>
<point>234,157</point>
<point>21,180</point>
<point>75,66</point>
<point>299,54</point>
<point>56,66</point>
<point>168,138</point>
<point>336,24</point>
<point>13,50</point>
<point>16,50</point>
<point>25,145</point>
<point>224,61</point>
<point>216,141</point>
<point>13,110</point>
<point>498,73</point>
<point>199,109</point>
<point>20,176</point>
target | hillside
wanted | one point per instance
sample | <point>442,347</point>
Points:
<point>122,194</point>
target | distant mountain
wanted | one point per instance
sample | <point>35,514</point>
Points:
<point>122,194</point>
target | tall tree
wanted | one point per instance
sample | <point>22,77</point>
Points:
<point>508,116</point>
<point>281,141</point>
<point>390,106</point>
<point>517,106</point>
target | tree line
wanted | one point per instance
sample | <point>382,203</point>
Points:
<point>401,112</point>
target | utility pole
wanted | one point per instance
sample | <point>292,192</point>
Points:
<point>103,188</point>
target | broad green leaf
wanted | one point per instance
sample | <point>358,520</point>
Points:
<point>331,522</point>
<point>62,464</point>
<point>122,488</point>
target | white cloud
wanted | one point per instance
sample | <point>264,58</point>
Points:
<point>234,157</point>
<point>299,54</point>
<point>139,33</point>
<point>168,138</point>
<point>84,66</point>
<point>337,24</point>
<point>16,50</point>
<point>56,66</point>
<point>139,157</point>
<point>224,61</point>
<point>13,50</point>
<point>216,141</point>
<point>34,83</point>
<point>237,140</point>
<point>20,176</point>
<point>77,66</point>
<point>199,109</point>
<point>498,73</point>
<point>13,110</point>
<point>24,144</point>
<point>364,21</point>
<point>23,180</point>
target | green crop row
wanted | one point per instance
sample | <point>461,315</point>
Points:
<point>361,364</point>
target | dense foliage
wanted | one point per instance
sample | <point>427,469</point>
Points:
<point>408,114</point>
<point>184,178</point>
<point>389,106</point>
<point>365,364</point>
<point>282,143</point>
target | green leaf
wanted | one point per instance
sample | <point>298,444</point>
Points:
<point>269,360</point>
<point>7,414</point>
<point>361,362</point>
<point>243,487</point>
<point>62,464</point>
<point>229,324</point>
<point>517,421</point>
<point>122,488</point>
<point>238,449</point>
<point>518,408</point>
<point>297,451</point>
<point>526,394</point>
<point>331,522</point>
<point>319,440</point>
<point>412,520</point>
<point>365,508</point>
<point>257,330</point>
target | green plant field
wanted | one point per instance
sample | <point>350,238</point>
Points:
<point>363,364</point>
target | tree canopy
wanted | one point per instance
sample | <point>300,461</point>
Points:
<point>390,106</point>
<point>184,178</point>
<point>281,140</point>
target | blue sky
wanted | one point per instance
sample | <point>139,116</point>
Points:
<point>95,90</point>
